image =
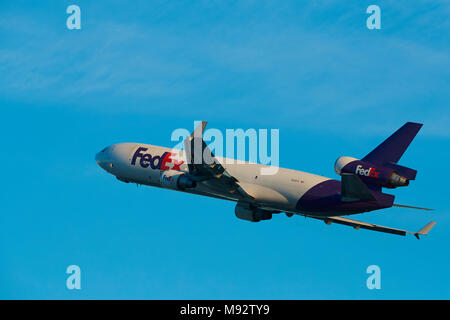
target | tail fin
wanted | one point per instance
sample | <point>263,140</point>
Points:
<point>392,149</point>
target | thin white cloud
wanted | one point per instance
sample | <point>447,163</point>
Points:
<point>320,74</point>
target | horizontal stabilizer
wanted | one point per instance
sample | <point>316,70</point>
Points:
<point>410,207</point>
<point>353,189</point>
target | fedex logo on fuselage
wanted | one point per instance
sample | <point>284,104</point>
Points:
<point>162,162</point>
<point>371,172</point>
<point>167,178</point>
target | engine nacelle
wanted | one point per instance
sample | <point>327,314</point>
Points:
<point>246,212</point>
<point>175,180</point>
<point>383,176</point>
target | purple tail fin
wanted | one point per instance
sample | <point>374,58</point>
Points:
<point>392,149</point>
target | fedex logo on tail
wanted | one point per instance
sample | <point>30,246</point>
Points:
<point>371,172</point>
<point>162,162</point>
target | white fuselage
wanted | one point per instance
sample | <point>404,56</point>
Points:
<point>279,191</point>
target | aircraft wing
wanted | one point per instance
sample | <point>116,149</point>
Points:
<point>204,167</point>
<point>370,226</point>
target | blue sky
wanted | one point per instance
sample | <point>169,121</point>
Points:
<point>135,72</point>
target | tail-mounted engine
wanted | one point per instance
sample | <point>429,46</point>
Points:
<point>176,180</point>
<point>379,167</point>
<point>247,212</point>
<point>388,175</point>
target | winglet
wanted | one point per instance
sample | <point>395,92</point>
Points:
<point>198,132</point>
<point>193,145</point>
<point>424,231</point>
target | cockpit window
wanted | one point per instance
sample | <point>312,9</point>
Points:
<point>104,149</point>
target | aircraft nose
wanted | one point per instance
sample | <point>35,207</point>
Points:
<point>103,160</point>
<point>100,156</point>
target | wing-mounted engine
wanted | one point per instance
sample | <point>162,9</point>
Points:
<point>176,180</point>
<point>388,175</point>
<point>245,211</point>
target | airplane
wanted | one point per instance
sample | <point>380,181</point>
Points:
<point>196,170</point>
